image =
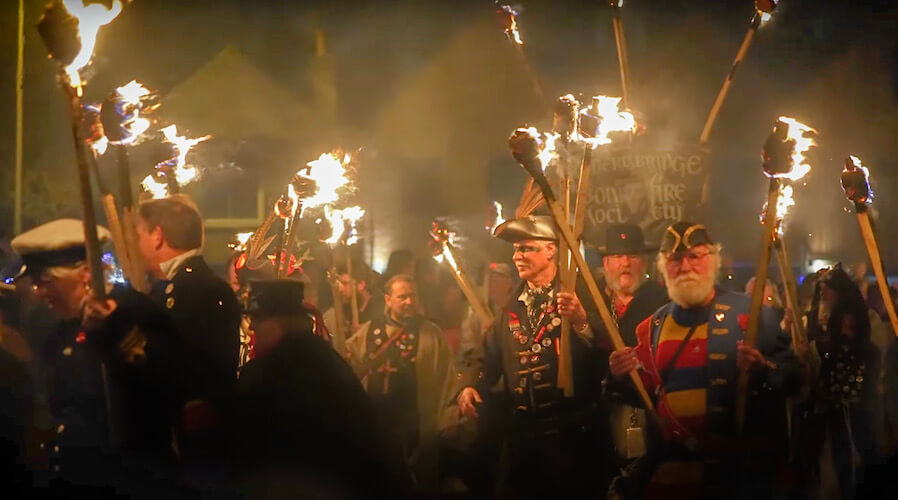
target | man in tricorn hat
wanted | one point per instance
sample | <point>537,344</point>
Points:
<point>632,298</point>
<point>550,435</point>
<point>690,353</point>
<point>302,421</point>
<point>111,367</point>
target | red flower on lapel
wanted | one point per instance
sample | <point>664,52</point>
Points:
<point>743,321</point>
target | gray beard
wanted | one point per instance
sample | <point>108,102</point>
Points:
<point>690,294</point>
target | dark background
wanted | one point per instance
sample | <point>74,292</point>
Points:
<point>830,63</point>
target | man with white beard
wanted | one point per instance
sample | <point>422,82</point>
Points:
<point>689,354</point>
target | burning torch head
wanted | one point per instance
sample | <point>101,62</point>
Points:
<point>778,149</point>
<point>284,207</point>
<point>439,235</point>
<point>111,120</point>
<point>59,31</point>
<point>92,128</point>
<point>856,182</point>
<point>303,186</point>
<point>564,121</point>
<point>766,6</point>
<point>525,145</point>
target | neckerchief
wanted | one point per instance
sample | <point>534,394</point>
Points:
<point>537,301</point>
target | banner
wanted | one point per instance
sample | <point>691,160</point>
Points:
<point>649,188</point>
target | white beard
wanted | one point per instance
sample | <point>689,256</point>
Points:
<point>615,286</point>
<point>690,290</point>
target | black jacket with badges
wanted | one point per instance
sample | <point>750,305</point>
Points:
<point>206,313</point>
<point>527,358</point>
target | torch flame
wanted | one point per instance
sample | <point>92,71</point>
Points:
<point>444,238</point>
<point>100,146</point>
<point>797,131</point>
<point>499,219</point>
<point>90,19</point>
<point>612,119</point>
<point>511,27</point>
<point>183,172</point>
<point>783,203</point>
<point>239,242</point>
<point>132,95</point>
<point>344,224</point>
<point>329,174</point>
<point>155,188</point>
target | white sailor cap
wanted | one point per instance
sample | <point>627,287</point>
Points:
<point>56,243</point>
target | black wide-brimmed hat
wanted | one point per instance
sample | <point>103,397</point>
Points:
<point>683,236</point>
<point>275,297</point>
<point>624,239</point>
<point>532,227</point>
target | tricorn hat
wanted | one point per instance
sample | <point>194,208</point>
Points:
<point>531,227</point>
<point>275,297</point>
<point>626,239</point>
<point>683,236</point>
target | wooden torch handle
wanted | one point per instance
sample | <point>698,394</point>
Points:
<point>863,219</point>
<point>593,288</point>
<point>757,297</point>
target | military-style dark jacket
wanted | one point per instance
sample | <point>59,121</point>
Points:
<point>527,358</point>
<point>113,391</point>
<point>206,313</point>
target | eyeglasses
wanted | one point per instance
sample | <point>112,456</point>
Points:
<point>677,258</point>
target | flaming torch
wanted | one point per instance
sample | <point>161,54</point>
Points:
<point>444,251</point>
<point>621,41</point>
<point>763,11</point>
<point>124,125</point>
<point>344,223</point>
<point>315,185</point>
<point>526,147</point>
<point>508,19</point>
<point>69,31</point>
<point>784,160</point>
<point>855,183</point>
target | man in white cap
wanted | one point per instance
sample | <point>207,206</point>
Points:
<point>111,367</point>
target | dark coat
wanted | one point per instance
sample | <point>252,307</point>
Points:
<point>532,389</point>
<point>647,299</point>
<point>302,422</point>
<point>206,313</point>
<point>114,396</point>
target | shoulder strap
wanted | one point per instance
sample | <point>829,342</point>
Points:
<point>370,365</point>
<point>665,373</point>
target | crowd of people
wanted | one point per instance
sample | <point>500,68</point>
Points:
<point>339,382</point>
